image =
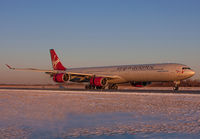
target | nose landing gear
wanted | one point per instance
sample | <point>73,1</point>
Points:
<point>176,86</point>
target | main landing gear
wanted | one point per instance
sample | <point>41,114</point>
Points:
<point>176,85</point>
<point>92,87</point>
<point>88,86</point>
<point>113,87</point>
<point>110,87</point>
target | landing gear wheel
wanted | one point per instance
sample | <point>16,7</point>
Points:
<point>89,87</point>
<point>176,88</point>
<point>92,87</point>
<point>100,87</point>
<point>113,87</point>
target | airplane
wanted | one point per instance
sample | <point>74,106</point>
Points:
<point>111,76</point>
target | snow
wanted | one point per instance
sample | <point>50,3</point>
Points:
<point>79,114</point>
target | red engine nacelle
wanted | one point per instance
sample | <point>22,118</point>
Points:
<point>140,84</point>
<point>61,77</point>
<point>98,81</point>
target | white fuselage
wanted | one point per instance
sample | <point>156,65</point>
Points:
<point>142,73</point>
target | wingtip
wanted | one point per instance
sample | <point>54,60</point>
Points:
<point>8,66</point>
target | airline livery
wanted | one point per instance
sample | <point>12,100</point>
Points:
<point>110,76</point>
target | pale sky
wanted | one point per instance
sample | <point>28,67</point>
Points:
<point>96,33</point>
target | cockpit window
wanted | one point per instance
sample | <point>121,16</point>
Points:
<point>186,68</point>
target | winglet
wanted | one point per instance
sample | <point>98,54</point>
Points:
<point>57,65</point>
<point>9,66</point>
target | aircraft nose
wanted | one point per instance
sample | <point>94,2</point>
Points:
<point>191,73</point>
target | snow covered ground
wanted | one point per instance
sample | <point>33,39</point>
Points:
<point>71,114</point>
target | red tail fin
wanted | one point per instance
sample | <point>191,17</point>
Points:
<point>57,65</point>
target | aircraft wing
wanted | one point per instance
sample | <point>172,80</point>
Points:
<point>79,77</point>
<point>31,69</point>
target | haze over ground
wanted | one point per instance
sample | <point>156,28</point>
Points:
<point>96,33</point>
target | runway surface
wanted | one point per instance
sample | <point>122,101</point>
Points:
<point>77,114</point>
<point>163,90</point>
